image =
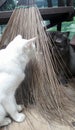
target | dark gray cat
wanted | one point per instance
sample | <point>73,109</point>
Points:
<point>60,47</point>
<point>72,59</point>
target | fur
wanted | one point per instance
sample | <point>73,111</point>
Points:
<point>13,60</point>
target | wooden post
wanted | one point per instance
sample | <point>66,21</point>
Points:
<point>61,3</point>
<point>49,3</point>
<point>69,2</point>
<point>59,26</point>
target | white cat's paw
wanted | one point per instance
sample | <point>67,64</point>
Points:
<point>5,122</point>
<point>20,108</point>
<point>19,117</point>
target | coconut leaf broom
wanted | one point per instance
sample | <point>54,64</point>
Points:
<point>41,87</point>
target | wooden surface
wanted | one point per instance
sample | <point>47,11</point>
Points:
<point>35,122</point>
<point>55,14</point>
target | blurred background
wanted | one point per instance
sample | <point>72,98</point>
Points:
<point>66,26</point>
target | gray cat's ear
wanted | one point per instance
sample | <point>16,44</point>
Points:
<point>32,40</point>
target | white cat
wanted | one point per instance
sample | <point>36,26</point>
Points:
<point>13,60</point>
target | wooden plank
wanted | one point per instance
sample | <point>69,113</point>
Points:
<point>2,2</point>
<point>4,16</point>
<point>59,10</point>
<point>47,13</point>
<point>54,13</point>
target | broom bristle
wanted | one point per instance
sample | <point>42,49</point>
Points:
<point>41,86</point>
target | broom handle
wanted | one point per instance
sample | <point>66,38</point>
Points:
<point>26,2</point>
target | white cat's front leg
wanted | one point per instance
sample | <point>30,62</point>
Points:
<point>19,107</point>
<point>3,119</point>
<point>6,121</point>
<point>11,109</point>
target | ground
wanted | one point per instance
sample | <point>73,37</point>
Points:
<point>35,122</point>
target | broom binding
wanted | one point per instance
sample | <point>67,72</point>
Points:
<point>25,6</point>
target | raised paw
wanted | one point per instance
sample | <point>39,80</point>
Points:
<point>20,108</point>
<point>19,117</point>
<point>5,122</point>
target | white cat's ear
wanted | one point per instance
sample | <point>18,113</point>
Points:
<point>32,40</point>
<point>18,37</point>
